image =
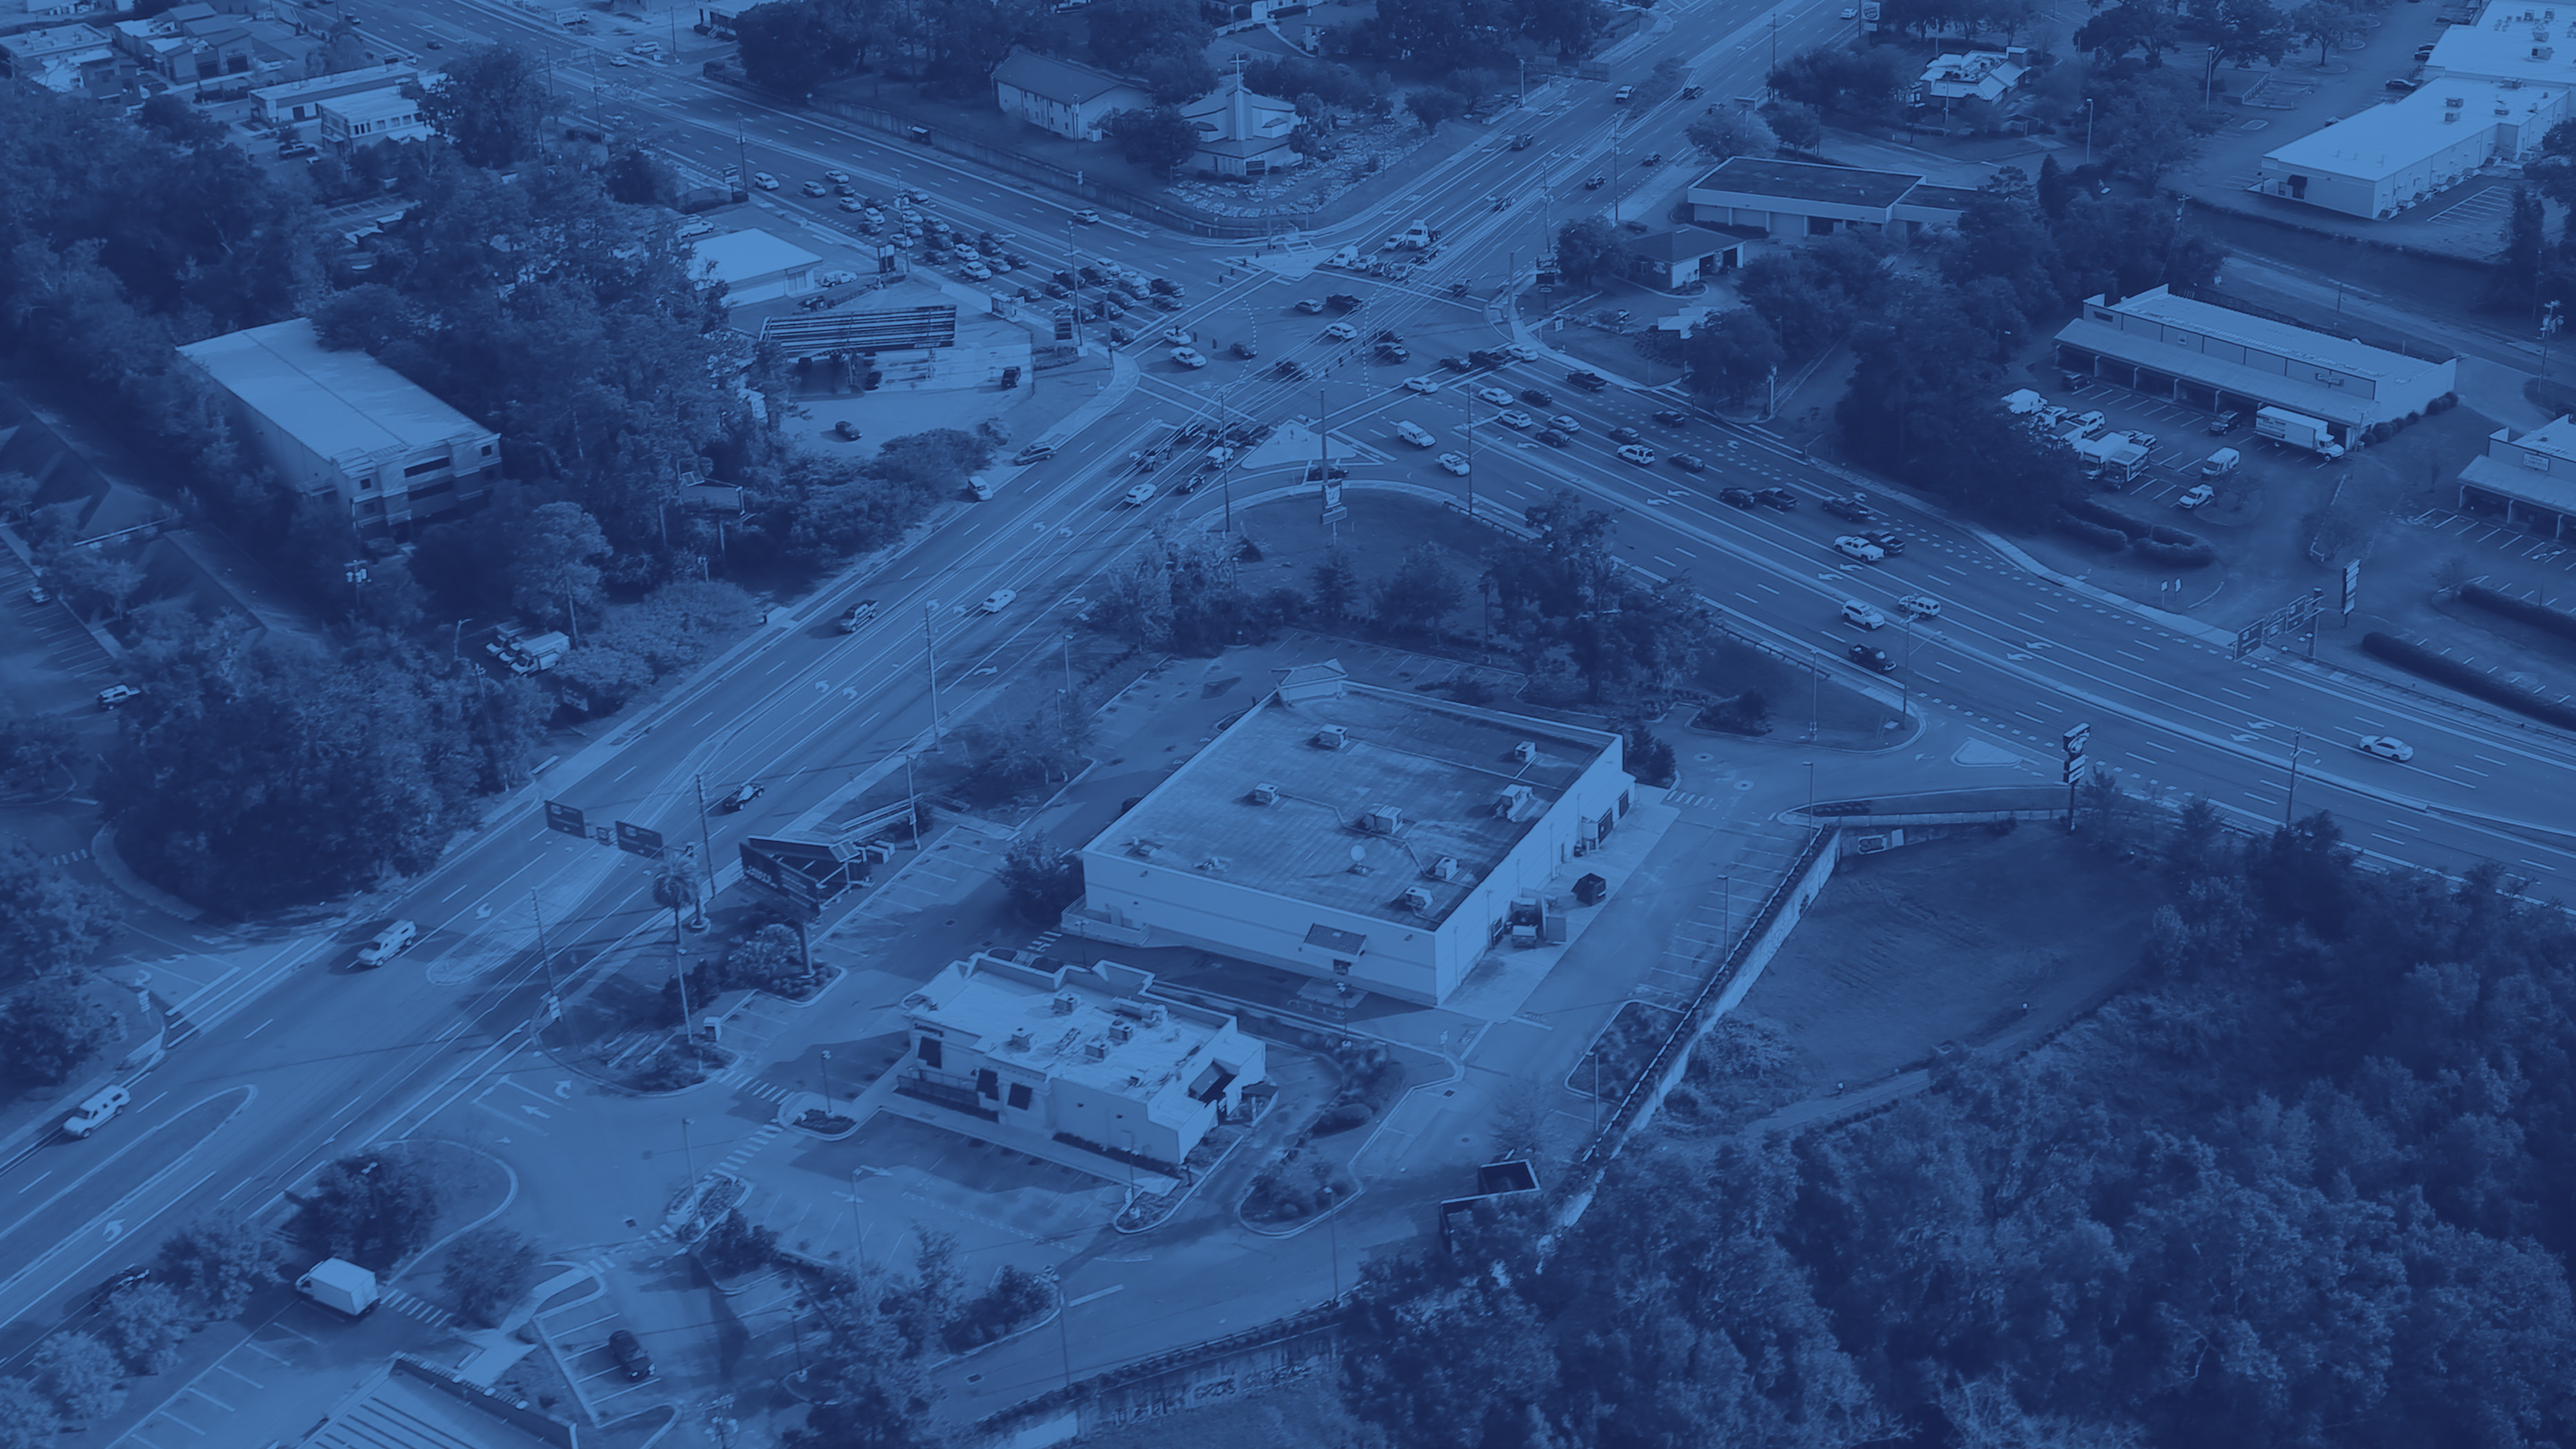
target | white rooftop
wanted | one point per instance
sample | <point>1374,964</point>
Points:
<point>2381,141</point>
<point>359,79</point>
<point>2355,359</point>
<point>2512,41</point>
<point>376,105</point>
<point>338,404</point>
<point>1084,1031</point>
<point>2557,438</point>
<point>739,256</point>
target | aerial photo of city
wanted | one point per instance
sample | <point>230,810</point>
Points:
<point>1287,724</point>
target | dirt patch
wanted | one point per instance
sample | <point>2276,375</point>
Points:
<point>1308,1411</point>
<point>1946,942</point>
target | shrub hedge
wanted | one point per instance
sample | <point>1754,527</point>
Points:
<point>2441,669</point>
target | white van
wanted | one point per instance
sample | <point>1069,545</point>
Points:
<point>1415,434</point>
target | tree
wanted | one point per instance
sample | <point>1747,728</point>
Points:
<point>48,921</point>
<point>77,1372</point>
<point>216,1264</point>
<point>637,177</point>
<point>1727,133</point>
<point>2144,132</point>
<point>27,1417</point>
<point>1334,585</point>
<point>487,1269</point>
<point>604,676</point>
<point>2327,22</point>
<point>146,1325</point>
<point>769,959</point>
<point>50,1026</point>
<point>492,107</point>
<point>1417,599</point>
<point>1444,1361</point>
<point>2514,285</point>
<point>1124,32</point>
<point>1042,882</point>
<point>1586,248</point>
<point>374,1209</point>
<point>1731,357</point>
<point>555,574</point>
<point>1798,127</point>
<point>1433,104</point>
<point>1176,75</point>
<point>1158,140</point>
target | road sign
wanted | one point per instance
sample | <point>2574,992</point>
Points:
<point>643,842</point>
<point>2351,586</point>
<point>565,820</point>
<point>2074,740</point>
<point>2076,769</point>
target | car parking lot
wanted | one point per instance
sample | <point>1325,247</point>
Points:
<point>2183,440</point>
<point>2492,537</point>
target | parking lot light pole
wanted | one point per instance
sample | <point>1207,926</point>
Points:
<point>827,1082</point>
<point>1811,792</point>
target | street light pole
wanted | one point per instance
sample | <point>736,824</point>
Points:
<point>827,1082</point>
<point>930,657</point>
<point>2289,805</point>
<point>2088,130</point>
<point>1811,792</point>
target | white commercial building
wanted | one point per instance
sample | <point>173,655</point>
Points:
<point>2385,159</point>
<point>2229,361</point>
<point>348,122</point>
<point>2530,480</point>
<point>2513,42</point>
<point>301,100</point>
<point>1787,199</point>
<point>1360,835</point>
<point>344,423</point>
<point>754,265</point>
<point>1084,1056</point>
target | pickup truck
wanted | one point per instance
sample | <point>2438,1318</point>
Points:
<point>859,613</point>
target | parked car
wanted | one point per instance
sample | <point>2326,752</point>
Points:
<point>117,694</point>
<point>2225,423</point>
<point>628,1351</point>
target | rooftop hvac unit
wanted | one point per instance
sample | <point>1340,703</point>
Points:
<point>2450,117</point>
<point>1333,737</point>
<point>1382,819</point>
<point>2454,102</point>
<point>1526,752</point>
<point>1141,848</point>
<point>1265,793</point>
<point>1019,1041</point>
<point>1064,1003</point>
<point>1445,868</point>
<point>1095,1050</point>
<point>1216,865</point>
<point>1416,900</point>
<point>1514,802</point>
<point>1121,1031</point>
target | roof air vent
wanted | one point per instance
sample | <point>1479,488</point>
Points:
<point>1382,820</point>
<point>1141,848</point>
<point>1121,1031</point>
<point>1265,793</point>
<point>1416,900</point>
<point>1333,737</point>
<point>1515,802</point>
<point>1526,752</point>
<point>1445,868</point>
<point>1019,1041</point>
<point>1064,1003</point>
<point>1095,1050</point>
<point>1215,865</point>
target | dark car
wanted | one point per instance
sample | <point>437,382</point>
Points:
<point>1291,369</point>
<point>1735,498</point>
<point>1553,438</point>
<point>1852,508</point>
<point>1058,289</point>
<point>1035,453</point>
<point>1062,279</point>
<point>1197,481</point>
<point>1164,288</point>
<point>1588,381</point>
<point>1456,364</point>
<point>1595,183</point>
<point>1244,350</point>
<point>1121,336</point>
<point>1692,93</point>
<point>1343,302</point>
<point>1780,498</point>
<point>2225,423</point>
<point>743,795</point>
<point>119,1284</point>
<point>1093,276</point>
<point>1889,541</point>
<point>628,1350</point>
<point>1671,418</point>
<point>1488,357</point>
<point>859,613</point>
<point>1392,352</point>
<point>1522,141</point>
<point>1872,658</point>
<point>1386,334</point>
<point>1689,462</point>
<point>1626,435</point>
<point>1538,397</point>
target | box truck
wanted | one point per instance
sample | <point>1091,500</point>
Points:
<point>339,1284</point>
<point>2298,430</point>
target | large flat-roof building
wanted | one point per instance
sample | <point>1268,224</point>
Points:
<point>1355,834</point>
<point>71,60</point>
<point>301,100</point>
<point>1805,198</point>
<point>363,119</point>
<point>754,265</point>
<point>344,423</point>
<point>1085,1056</point>
<point>2387,158</point>
<point>2229,361</point>
<point>2512,41</point>
<point>2530,479</point>
<point>1063,96</point>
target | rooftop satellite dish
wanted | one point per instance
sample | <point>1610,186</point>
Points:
<point>1359,855</point>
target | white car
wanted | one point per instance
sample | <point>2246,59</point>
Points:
<point>1565,423</point>
<point>1858,549</point>
<point>1140,495</point>
<point>2387,747</point>
<point>1087,216</point>
<point>1919,606</point>
<point>1865,615</point>
<point>1178,336</point>
<point>1639,454</point>
<point>852,204</point>
<point>1189,357</point>
<point>976,272</point>
<point>1414,433</point>
<point>116,694</point>
<point>1495,395</point>
<point>1341,332</point>
<point>619,61</point>
<point>93,1112</point>
<point>1422,384</point>
<point>2196,495</point>
<point>837,178</point>
<point>1522,351</point>
<point>764,181</point>
<point>968,252</point>
<point>835,278</point>
<point>1454,463</point>
<point>1516,419</point>
<point>996,601</point>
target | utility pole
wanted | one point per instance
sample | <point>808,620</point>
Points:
<point>930,657</point>
<point>699,784</point>
<point>2289,805</point>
